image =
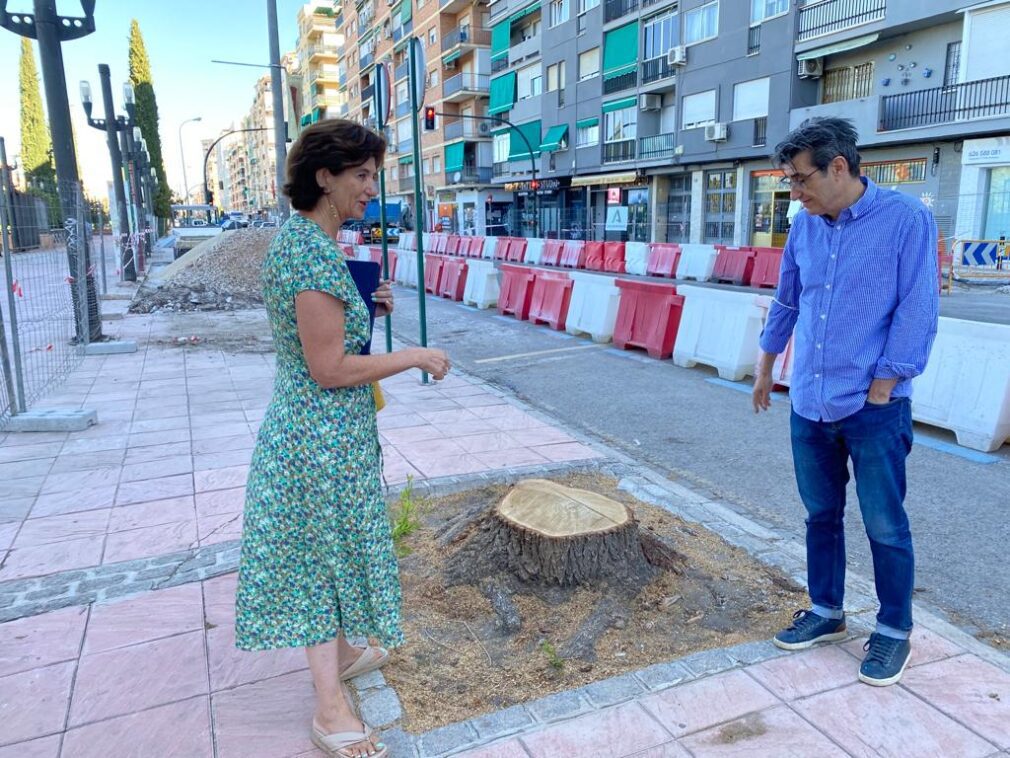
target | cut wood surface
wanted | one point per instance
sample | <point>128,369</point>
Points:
<point>554,510</point>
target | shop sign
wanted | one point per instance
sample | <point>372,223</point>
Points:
<point>542,186</point>
<point>991,150</point>
<point>613,195</point>
<point>617,218</point>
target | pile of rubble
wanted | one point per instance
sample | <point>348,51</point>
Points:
<point>222,274</point>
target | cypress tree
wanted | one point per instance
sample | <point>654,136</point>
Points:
<point>147,116</point>
<point>36,142</point>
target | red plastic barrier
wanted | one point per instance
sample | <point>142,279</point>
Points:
<point>613,257</point>
<point>573,255</point>
<point>734,265</point>
<point>452,243</point>
<point>552,252</point>
<point>453,278</point>
<point>648,317</point>
<point>516,290</point>
<point>767,263</point>
<point>594,256</point>
<point>663,259</point>
<point>433,265</point>
<point>552,294</point>
<point>347,249</point>
<point>375,253</point>
<point>391,254</point>
<point>517,250</point>
<point>501,248</point>
<point>441,240</point>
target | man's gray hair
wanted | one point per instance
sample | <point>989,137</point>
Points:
<point>825,138</point>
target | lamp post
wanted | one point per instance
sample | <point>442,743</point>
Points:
<point>182,157</point>
<point>130,136</point>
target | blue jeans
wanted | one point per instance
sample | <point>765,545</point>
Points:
<point>877,439</point>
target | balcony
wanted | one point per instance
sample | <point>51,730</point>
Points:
<point>367,59</point>
<point>397,34</point>
<point>500,170</point>
<point>499,65</point>
<point>402,109</point>
<point>656,69</point>
<point>614,9</point>
<point>463,86</point>
<point>616,152</point>
<point>470,174</point>
<point>830,16</point>
<point>402,71</point>
<point>466,35</point>
<point>406,146</point>
<point>622,82</point>
<point>466,128</point>
<point>659,147</point>
<point>984,98</point>
<point>324,51</point>
<point>406,184</point>
<point>367,93</point>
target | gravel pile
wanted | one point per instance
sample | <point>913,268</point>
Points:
<point>1005,290</point>
<point>224,276</point>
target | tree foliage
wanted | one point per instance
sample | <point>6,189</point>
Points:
<point>147,116</point>
<point>36,142</point>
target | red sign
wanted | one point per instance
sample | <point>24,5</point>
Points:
<point>613,195</point>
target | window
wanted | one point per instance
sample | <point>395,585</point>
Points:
<point>701,23</point>
<point>762,10</point>
<point>427,166</point>
<point>661,34</point>
<point>952,66</point>
<point>529,82</point>
<point>557,12</point>
<point>589,63</point>
<point>402,93</point>
<point>754,40</point>
<point>750,99</point>
<point>847,83</point>
<point>620,125</point>
<point>530,30</point>
<point>678,209</point>
<point>433,78</point>
<point>997,211</point>
<point>436,165</point>
<point>698,110</point>
<point>501,147</point>
<point>895,172</point>
<point>556,76</point>
<point>395,173</point>
<point>760,132</point>
<point>587,136</point>
<point>586,5</point>
<point>432,36</point>
<point>720,206</point>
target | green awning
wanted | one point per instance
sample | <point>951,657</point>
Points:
<point>405,11</point>
<point>452,56</point>
<point>396,11</point>
<point>518,16</point>
<point>517,146</point>
<point>620,105</point>
<point>838,47</point>
<point>500,36</point>
<point>306,119</point>
<point>503,93</point>
<point>620,51</point>
<point>407,159</point>
<point>454,156</point>
<point>587,122</point>
<point>317,113</point>
<point>556,135</point>
<point>401,44</point>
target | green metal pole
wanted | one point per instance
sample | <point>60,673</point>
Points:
<point>380,117</point>
<point>418,208</point>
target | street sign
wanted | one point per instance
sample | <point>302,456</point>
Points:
<point>420,70</point>
<point>382,95</point>
<point>617,218</point>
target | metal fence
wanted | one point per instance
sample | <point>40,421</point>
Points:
<point>49,311</point>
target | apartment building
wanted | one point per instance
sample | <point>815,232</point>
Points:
<point>319,52</point>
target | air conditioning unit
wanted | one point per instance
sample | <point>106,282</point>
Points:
<point>677,56</point>
<point>391,147</point>
<point>811,68</point>
<point>716,132</point>
<point>650,102</point>
<point>451,65</point>
<point>483,128</point>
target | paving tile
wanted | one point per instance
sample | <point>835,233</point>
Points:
<point>223,527</point>
<point>219,502</point>
<point>614,731</point>
<point>446,465</point>
<point>160,424</point>
<point>142,439</point>
<point>150,541</point>
<point>21,488</point>
<point>15,509</point>
<point>666,750</point>
<point>219,599</point>
<point>41,640</point>
<point>122,681</point>
<point>34,702</point>
<point>221,478</point>
<point>412,435</point>
<point>399,420</point>
<point>509,749</point>
<point>200,420</point>
<point>222,460</point>
<point>44,747</point>
<point>76,481</point>
<point>487,442</point>
<point>28,452</point>
<point>571,451</point>
<point>219,430</point>
<point>85,461</point>
<point>7,531</point>
<point>75,446</point>
<point>926,647</point>
<point>151,616</point>
<point>265,719</point>
<point>139,515</point>
<point>43,560</point>
<point>179,729</point>
<point>704,703</point>
<point>135,455</point>
<point>64,527</point>
<point>806,673</point>
<point>544,435</point>
<point>178,464</point>
<point>224,444</point>
<point>72,502</point>
<point>154,489</point>
<point>30,467</point>
<point>510,458</point>
<point>230,667</point>
<point>776,731</point>
<point>459,429</point>
<point>975,692</point>
<point>888,721</point>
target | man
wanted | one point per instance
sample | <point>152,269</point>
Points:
<point>859,284</point>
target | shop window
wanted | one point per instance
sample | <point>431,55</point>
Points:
<point>720,206</point>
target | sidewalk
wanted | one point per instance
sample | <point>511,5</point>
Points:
<point>119,546</point>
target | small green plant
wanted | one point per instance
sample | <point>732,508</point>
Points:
<point>405,517</point>
<point>551,654</point>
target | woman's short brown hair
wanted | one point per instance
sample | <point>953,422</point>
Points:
<point>334,144</point>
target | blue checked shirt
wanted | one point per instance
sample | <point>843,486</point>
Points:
<point>862,294</point>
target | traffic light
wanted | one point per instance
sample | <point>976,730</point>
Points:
<point>534,185</point>
<point>429,118</point>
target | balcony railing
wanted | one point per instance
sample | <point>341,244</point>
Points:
<point>470,174</point>
<point>367,60</point>
<point>402,71</point>
<point>402,109</point>
<point>624,81</point>
<point>466,35</point>
<point>614,152</point>
<point>617,8</point>
<point>405,146</point>
<point>943,105</point>
<point>499,65</point>
<point>464,127</point>
<point>397,33</point>
<point>367,92</point>
<point>655,69</point>
<point>333,50</point>
<point>406,184</point>
<point>829,16</point>
<point>499,170</point>
<point>467,82</point>
<point>659,147</point>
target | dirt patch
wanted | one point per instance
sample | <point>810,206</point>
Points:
<point>460,648</point>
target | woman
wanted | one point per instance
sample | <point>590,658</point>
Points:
<point>317,555</point>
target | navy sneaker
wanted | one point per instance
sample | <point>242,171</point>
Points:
<point>885,660</point>
<point>808,629</point>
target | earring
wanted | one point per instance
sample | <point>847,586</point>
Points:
<point>333,210</point>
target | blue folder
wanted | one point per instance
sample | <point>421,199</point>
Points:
<point>366,275</point>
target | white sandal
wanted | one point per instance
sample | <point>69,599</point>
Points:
<point>336,745</point>
<point>372,657</point>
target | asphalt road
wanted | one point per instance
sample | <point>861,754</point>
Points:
<point>693,426</point>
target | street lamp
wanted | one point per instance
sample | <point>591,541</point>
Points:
<point>185,183</point>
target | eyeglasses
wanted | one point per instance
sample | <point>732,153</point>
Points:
<point>796,180</point>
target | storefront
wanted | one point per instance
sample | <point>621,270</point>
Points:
<point>618,206</point>
<point>983,211</point>
<point>769,221</point>
<point>539,208</point>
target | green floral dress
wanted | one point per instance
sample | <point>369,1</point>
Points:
<point>317,551</point>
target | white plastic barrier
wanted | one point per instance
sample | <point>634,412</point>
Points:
<point>534,251</point>
<point>481,284</point>
<point>408,241</point>
<point>593,307</point>
<point>966,384</point>
<point>406,267</point>
<point>720,328</point>
<point>488,250</point>
<point>696,262</point>
<point>636,257</point>
<point>362,253</point>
